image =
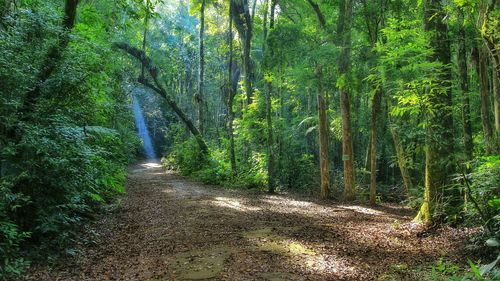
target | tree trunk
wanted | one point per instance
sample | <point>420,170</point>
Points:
<point>323,137</point>
<point>232,93</point>
<point>401,157</point>
<point>439,153</point>
<point>269,120</point>
<point>488,25</point>
<point>496,90</point>
<point>464,87</point>
<point>144,36</point>
<point>243,22</point>
<point>377,99</point>
<point>344,33</point>
<point>485,102</point>
<point>200,97</point>
<point>158,88</point>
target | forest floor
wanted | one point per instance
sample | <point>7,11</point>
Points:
<point>171,228</point>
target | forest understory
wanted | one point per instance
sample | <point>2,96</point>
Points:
<point>299,140</point>
<point>170,228</point>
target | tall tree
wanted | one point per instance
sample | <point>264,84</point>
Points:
<point>231,87</point>
<point>201,73</point>
<point>484,90</point>
<point>323,136</point>
<point>243,23</point>
<point>439,148</point>
<point>268,50</point>
<point>343,68</point>
<point>324,160</point>
<point>374,17</point>
<point>464,87</point>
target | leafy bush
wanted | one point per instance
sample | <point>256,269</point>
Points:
<point>10,236</point>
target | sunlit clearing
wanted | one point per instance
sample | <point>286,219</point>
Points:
<point>363,210</point>
<point>151,165</point>
<point>233,204</point>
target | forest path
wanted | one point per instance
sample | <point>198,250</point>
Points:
<point>170,228</point>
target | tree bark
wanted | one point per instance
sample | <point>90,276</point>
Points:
<point>145,35</point>
<point>200,97</point>
<point>344,61</point>
<point>232,92</point>
<point>243,23</point>
<point>401,157</point>
<point>488,25</point>
<point>496,90</point>
<point>485,101</point>
<point>377,100</point>
<point>159,89</point>
<point>270,53</point>
<point>464,88</point>
<point>438,153</point>
<point>373,22</point>
<point>323,137</point>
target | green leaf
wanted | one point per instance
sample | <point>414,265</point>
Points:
<point>475,270</point>
<point>493,242</point>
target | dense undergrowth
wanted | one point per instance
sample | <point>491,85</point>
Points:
<point>63,153</point>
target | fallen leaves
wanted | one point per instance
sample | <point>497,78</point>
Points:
<point>169,228</point>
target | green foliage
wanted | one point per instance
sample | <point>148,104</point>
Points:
<point>65,156</point>
<point>11,236</point>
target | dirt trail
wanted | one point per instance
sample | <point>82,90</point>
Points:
<point>169,228</point>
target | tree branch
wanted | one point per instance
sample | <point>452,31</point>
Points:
<point>319,14</point>
<point>158,88</point>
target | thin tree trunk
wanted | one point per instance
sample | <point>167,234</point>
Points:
<point>367,165</point>
<point>344,33</point>
<point>200,97</point>
<point>232,92</point>
<point>464,87</point>
<point>377,99</point>
<point>270,149</point>
<point>401,157</point>
<point>144,36</point>
<point>496,90</point>
<point>323,137</point>
<point>485,102</point>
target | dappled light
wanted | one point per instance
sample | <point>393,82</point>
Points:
<point>253,140</point>
<point>233,204</point>
<point>363,210</point>
<point>152,165</point>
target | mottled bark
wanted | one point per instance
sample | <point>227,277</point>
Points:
<point>323,137</point>
<point>464,88</point>
<point>376,102</point>
<point>485,100</point>
<point>439,153</point>
<point>243,23</point>
<point>344,63</point>
<point>402,163</point>
<point>232,92</point>
<point>200,99</point>
<point>269,55</point>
